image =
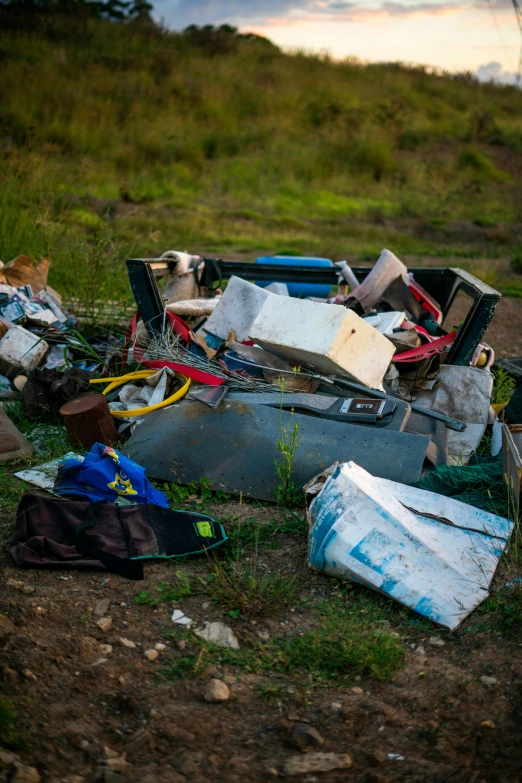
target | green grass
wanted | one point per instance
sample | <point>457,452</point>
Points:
<point>50,443</point>
<point>245,590</point>
<point>503,386</point>
<point>123,140</point>
<point>504,609</point>
<point>178,588</point>
<point>8,734</point>
<point>345,641</point>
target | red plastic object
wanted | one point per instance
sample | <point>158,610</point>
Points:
<point>425,351</point>
<point>179,326</point>
<point>425,299</point>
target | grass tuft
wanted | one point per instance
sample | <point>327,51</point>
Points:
<point>243,588</point>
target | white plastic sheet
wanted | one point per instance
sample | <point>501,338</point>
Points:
<point>431,553</point>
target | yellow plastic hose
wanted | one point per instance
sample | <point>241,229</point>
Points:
<point>140,375</point>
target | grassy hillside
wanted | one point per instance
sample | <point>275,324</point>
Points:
<point>118,139</point>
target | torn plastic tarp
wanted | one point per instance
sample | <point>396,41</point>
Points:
<point>431,553</point>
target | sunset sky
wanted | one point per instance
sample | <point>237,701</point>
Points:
<point>476,35</point>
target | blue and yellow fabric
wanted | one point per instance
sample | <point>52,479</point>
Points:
<point>107,475</point>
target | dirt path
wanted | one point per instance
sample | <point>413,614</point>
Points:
<point>435,720</point>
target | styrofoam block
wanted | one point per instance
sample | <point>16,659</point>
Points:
<point>385,323</point>
<point>326,337</point>
<point>20,351</point>
<point>238,309</point>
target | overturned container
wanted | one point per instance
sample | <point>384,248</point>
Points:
<point>88,420</point>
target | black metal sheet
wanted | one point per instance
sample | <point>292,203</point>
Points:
<point>235,447</point>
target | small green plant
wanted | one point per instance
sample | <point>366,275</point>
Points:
<point>8,734</point>
<point>196,491</point>
<point>287,493</point>
<point>516,264</point>
<point>504,608</point>
<point>271,691</point>
<point>176,590</point>
<point>240,588</point>
<point>503,386</point>
<point>184,666</point>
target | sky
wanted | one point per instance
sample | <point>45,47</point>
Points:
<point>481,36</point>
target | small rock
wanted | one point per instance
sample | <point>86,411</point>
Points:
<point>99,662</point>
<point>118,764</point>
<point>336,706</point>
<point>229,679</point>
<point>205,605</point>
<point>105,649</point>
<point>23,774</point>
<point>216,691</point>
<point>160,647</point>
<point>6,758</point>
<point>218,633</point>
<point>357,690</point>
<point>488,724</point>
<point>29,675</point>
<point>127,643</point>
<point>436,641</point>
<point>140,738</point>
<point>88,645</point>
<point>9,675</point>
<point>151,655</point>
<point>305,737</point>
<point>84,744</point>
<point>109,753</point>
<point>264,636</point>
<point>22,587</point>
<point>104,623</point>
<point>101,607</point>
<point>488,681</point>
<point>420,650</point>
<point>181,644</point>
<point>377,756</point>
<point>113,583</point>
<point>316,762</point>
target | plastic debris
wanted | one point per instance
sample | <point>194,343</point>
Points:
<point>431,553</point>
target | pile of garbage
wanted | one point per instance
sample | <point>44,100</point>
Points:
<point>349,371</point>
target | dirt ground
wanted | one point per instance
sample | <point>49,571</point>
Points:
<point>87,713</point>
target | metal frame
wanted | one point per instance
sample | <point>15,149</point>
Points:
<point>442,284</point>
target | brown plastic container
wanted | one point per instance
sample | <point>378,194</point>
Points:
<point>88,420</point>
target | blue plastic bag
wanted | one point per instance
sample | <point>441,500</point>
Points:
<point>105,474</point>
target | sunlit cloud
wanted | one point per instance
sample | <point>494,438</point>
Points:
<point>269,12</point>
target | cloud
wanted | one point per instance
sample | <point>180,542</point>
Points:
<point>494,72</point>
<point>244,13</point>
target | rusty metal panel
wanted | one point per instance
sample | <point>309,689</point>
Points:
<point>512,461</point>
<point>235,447</point>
